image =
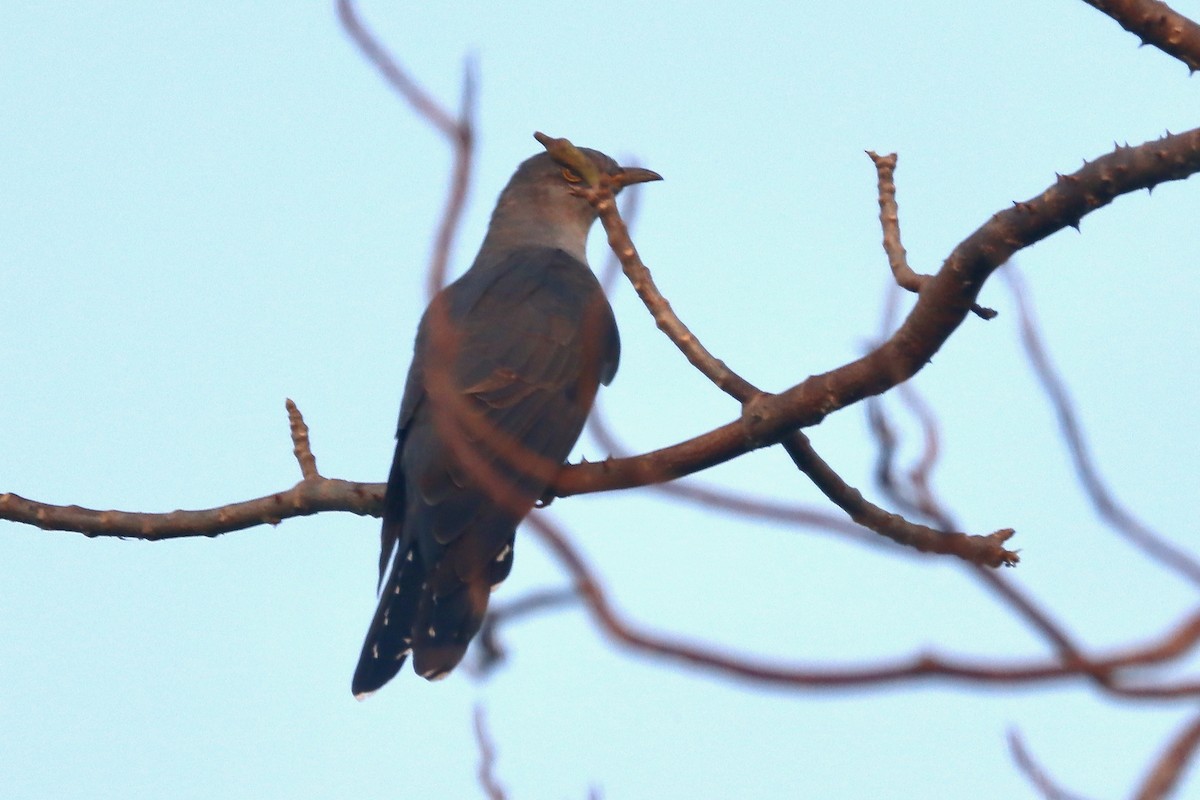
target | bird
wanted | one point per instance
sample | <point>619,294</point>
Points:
<point>506,364</point>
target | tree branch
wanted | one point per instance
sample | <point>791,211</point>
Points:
<point>923,666</point>
<point>976,549</point>
<point>457,130</point>
<point>1106,504</point>
<point>487,758</point>
<point>1158,25</point>
<point>1165,774</point>
<point>941,307</point>
<point>1034,771</point>
<point>311,495</point>
<point>889,221</point>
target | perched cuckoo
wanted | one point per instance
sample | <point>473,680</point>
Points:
<point>507,362</point>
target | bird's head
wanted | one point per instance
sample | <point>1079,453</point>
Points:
<point>542,203</point>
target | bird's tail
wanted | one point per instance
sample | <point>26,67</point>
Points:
<point>447,621</point>
<point>389,640</point>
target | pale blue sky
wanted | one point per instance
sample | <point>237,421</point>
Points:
<point>204,210</point>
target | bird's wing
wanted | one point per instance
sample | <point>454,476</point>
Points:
<point>532,335</point>
<point>533,345</point>
<point>395,497</point>
<point>532,341</point>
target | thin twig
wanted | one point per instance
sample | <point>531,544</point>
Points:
<point>1034,771</point>
<point>743,503</point>
<point>1107,506</point>
<point>986,550</point>
<point>923,666</point>
<point>487,758</point>
<point>301,446</point>
<point>889,221</point>
<point>490,653</point>
<point>630,205</point>
<point>457,130</point>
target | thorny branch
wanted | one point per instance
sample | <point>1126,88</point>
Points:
<point>986,550</point>
<point>1157,25</point>
<point>889,221</point>
<point>943,301</point>
<point>940,308</point>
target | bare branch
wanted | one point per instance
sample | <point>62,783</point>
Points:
<point>425,106</point>
<point>940,309</point>
<point>599,193</point>
<point>630,207</point>
<point>742,503</point>
<point>490,653</point>
<point>923,666</point>
<point>1165,774</point>
<point>986,550</point>
<point>487,758</point>
<point>1037,776</point>
<point>310,496</point>
<point>458,131</point>
<point>977,549</point>
<point>1105,503</point>
<point>889,220</point>
<point>1156,24</point>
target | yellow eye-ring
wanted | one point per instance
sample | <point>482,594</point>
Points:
<point>571,176</point>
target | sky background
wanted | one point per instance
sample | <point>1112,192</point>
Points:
<point>206,209</point>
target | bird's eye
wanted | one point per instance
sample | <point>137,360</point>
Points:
<point>571,176</point>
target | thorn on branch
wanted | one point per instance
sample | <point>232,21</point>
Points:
<point>1158,25</point>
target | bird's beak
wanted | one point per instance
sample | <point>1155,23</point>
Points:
<point>631,175</point>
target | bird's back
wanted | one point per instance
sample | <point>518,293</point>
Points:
<point>521,344</point>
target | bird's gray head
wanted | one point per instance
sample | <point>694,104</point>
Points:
<point>540,207</point>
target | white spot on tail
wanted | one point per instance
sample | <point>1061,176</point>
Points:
<point>504,554</point>
<point>435,674</point>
